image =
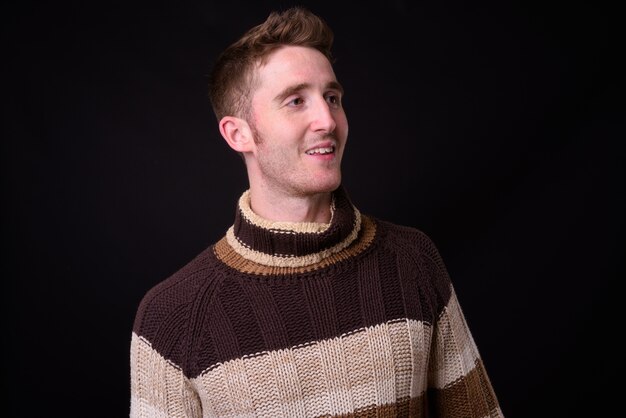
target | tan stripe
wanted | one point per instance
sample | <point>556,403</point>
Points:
<point>158,387</point>
<point>454,352</point>
<point>248,261</point>
<point>331,377</point>
<point>470,396</point>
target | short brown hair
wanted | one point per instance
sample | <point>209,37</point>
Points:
<point>232,78</point>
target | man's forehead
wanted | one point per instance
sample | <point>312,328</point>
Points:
<point>295,71</point>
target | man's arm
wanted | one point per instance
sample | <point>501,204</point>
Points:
<point>159,388</point>
<point>458,382</point>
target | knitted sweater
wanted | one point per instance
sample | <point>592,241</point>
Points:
<point>354,318</point>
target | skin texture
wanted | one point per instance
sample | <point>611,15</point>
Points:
<point>296,108</point>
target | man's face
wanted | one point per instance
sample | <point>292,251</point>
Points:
<point>299,124</point>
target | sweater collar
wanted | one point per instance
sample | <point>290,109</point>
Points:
<point>293,244</point>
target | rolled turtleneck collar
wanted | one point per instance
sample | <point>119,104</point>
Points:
<point>293,244</point>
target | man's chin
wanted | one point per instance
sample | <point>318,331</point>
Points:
<point>327,186</point>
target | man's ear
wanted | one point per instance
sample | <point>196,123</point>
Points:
<point>237,133</point>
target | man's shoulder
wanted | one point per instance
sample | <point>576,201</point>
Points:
<point>404,234</point>
<point>175,294</point>
<point>413,247</point>
<point>406,241</point>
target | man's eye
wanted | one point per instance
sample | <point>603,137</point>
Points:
<point>333,99</point>
<point>296,102</point>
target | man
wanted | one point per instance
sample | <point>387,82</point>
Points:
<point>306,308</point>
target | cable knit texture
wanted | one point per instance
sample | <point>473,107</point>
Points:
<point>354,318</point>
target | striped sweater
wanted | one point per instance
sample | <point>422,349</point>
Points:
<point>354,318</point>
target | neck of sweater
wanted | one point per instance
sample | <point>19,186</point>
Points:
<point>293,244</point>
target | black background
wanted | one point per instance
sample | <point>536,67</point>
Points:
<point>495,127</point>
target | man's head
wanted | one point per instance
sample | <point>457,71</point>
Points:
<point>232,80</point>
<point>279,105</point>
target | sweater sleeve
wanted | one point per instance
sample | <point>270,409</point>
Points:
<point>159,388</point>
<point>458,383</point>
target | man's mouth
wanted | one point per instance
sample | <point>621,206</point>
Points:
<point>321,151</point>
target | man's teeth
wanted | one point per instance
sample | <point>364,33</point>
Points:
<point>327,150</point>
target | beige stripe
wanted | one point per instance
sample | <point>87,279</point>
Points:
<point>247,263</point>
<point>141,408</point>
<point>358,360</point>
<point>454,353</point>
<point>158,387</point>
<point>228,393</point>
<point>313,383</point>
<point>337,376</point>
<point>411,361</point>
<point>286,227</point>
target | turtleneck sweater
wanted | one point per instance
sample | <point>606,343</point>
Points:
<point>354,318</point>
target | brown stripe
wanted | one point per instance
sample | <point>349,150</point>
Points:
<point>413,408</point>
<point>225,253</point>
<point>273,241</point>
<point>470,396</point>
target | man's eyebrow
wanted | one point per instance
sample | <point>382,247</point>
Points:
<point>290,90</point>
<point>302,86</point>
<point>336,86</point>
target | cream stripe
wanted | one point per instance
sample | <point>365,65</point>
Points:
<point>158,387</point>
<point>284,260</point>
<point>141,408</point>
<point>286,227</point>
<point>336,376</point>
<point>407,358</point>
<point>455,353</point>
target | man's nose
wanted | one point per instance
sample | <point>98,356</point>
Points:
<point>323,116</point>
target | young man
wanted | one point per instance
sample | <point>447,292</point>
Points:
<point>306,308</point>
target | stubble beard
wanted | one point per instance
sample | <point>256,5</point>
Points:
<point>303,186</point>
